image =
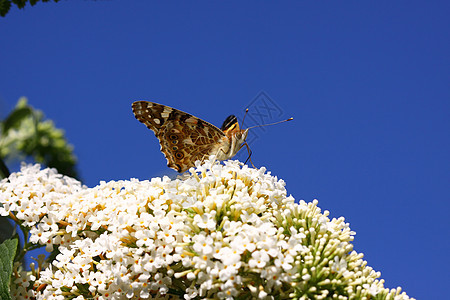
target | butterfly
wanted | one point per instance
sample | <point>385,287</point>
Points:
<point>185,139</point>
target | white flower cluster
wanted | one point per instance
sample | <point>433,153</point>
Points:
<point>220,232</point>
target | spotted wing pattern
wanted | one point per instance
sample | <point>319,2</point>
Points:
<point>183,137</point>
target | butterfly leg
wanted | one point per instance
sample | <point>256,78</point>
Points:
<point>249,154</point>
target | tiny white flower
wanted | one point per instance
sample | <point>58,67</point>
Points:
<point>259,259</point>
<point>205,221</point>
<point>372,288</point>
<point>339,265</point>
<point>203,244</point>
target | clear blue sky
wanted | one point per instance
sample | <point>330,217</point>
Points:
<point>367,84</point>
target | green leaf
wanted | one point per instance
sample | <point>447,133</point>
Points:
<point>6,229</point>
<point>4,172</point>
<point>16,117</point>
<point>20,3</point>
<point>5,5</point>
<point>7,252</point>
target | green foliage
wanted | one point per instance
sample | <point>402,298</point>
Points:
<point>25,133</point>
<point>6,229</point>
<point>5,5</point>
<point>4,172</point>
<point>7,252</point>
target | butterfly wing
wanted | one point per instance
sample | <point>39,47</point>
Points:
<point>183,137</point>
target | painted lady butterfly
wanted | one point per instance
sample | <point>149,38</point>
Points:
<point>185,138</point>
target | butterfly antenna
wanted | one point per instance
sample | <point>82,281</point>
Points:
<point>290,119</point>
<point>246,111</point>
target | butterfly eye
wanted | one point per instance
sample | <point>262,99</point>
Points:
<point>179,155</point>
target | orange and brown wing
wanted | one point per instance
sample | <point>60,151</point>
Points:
<point>183,137</point>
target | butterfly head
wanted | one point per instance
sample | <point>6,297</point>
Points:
<point>236,136</point>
